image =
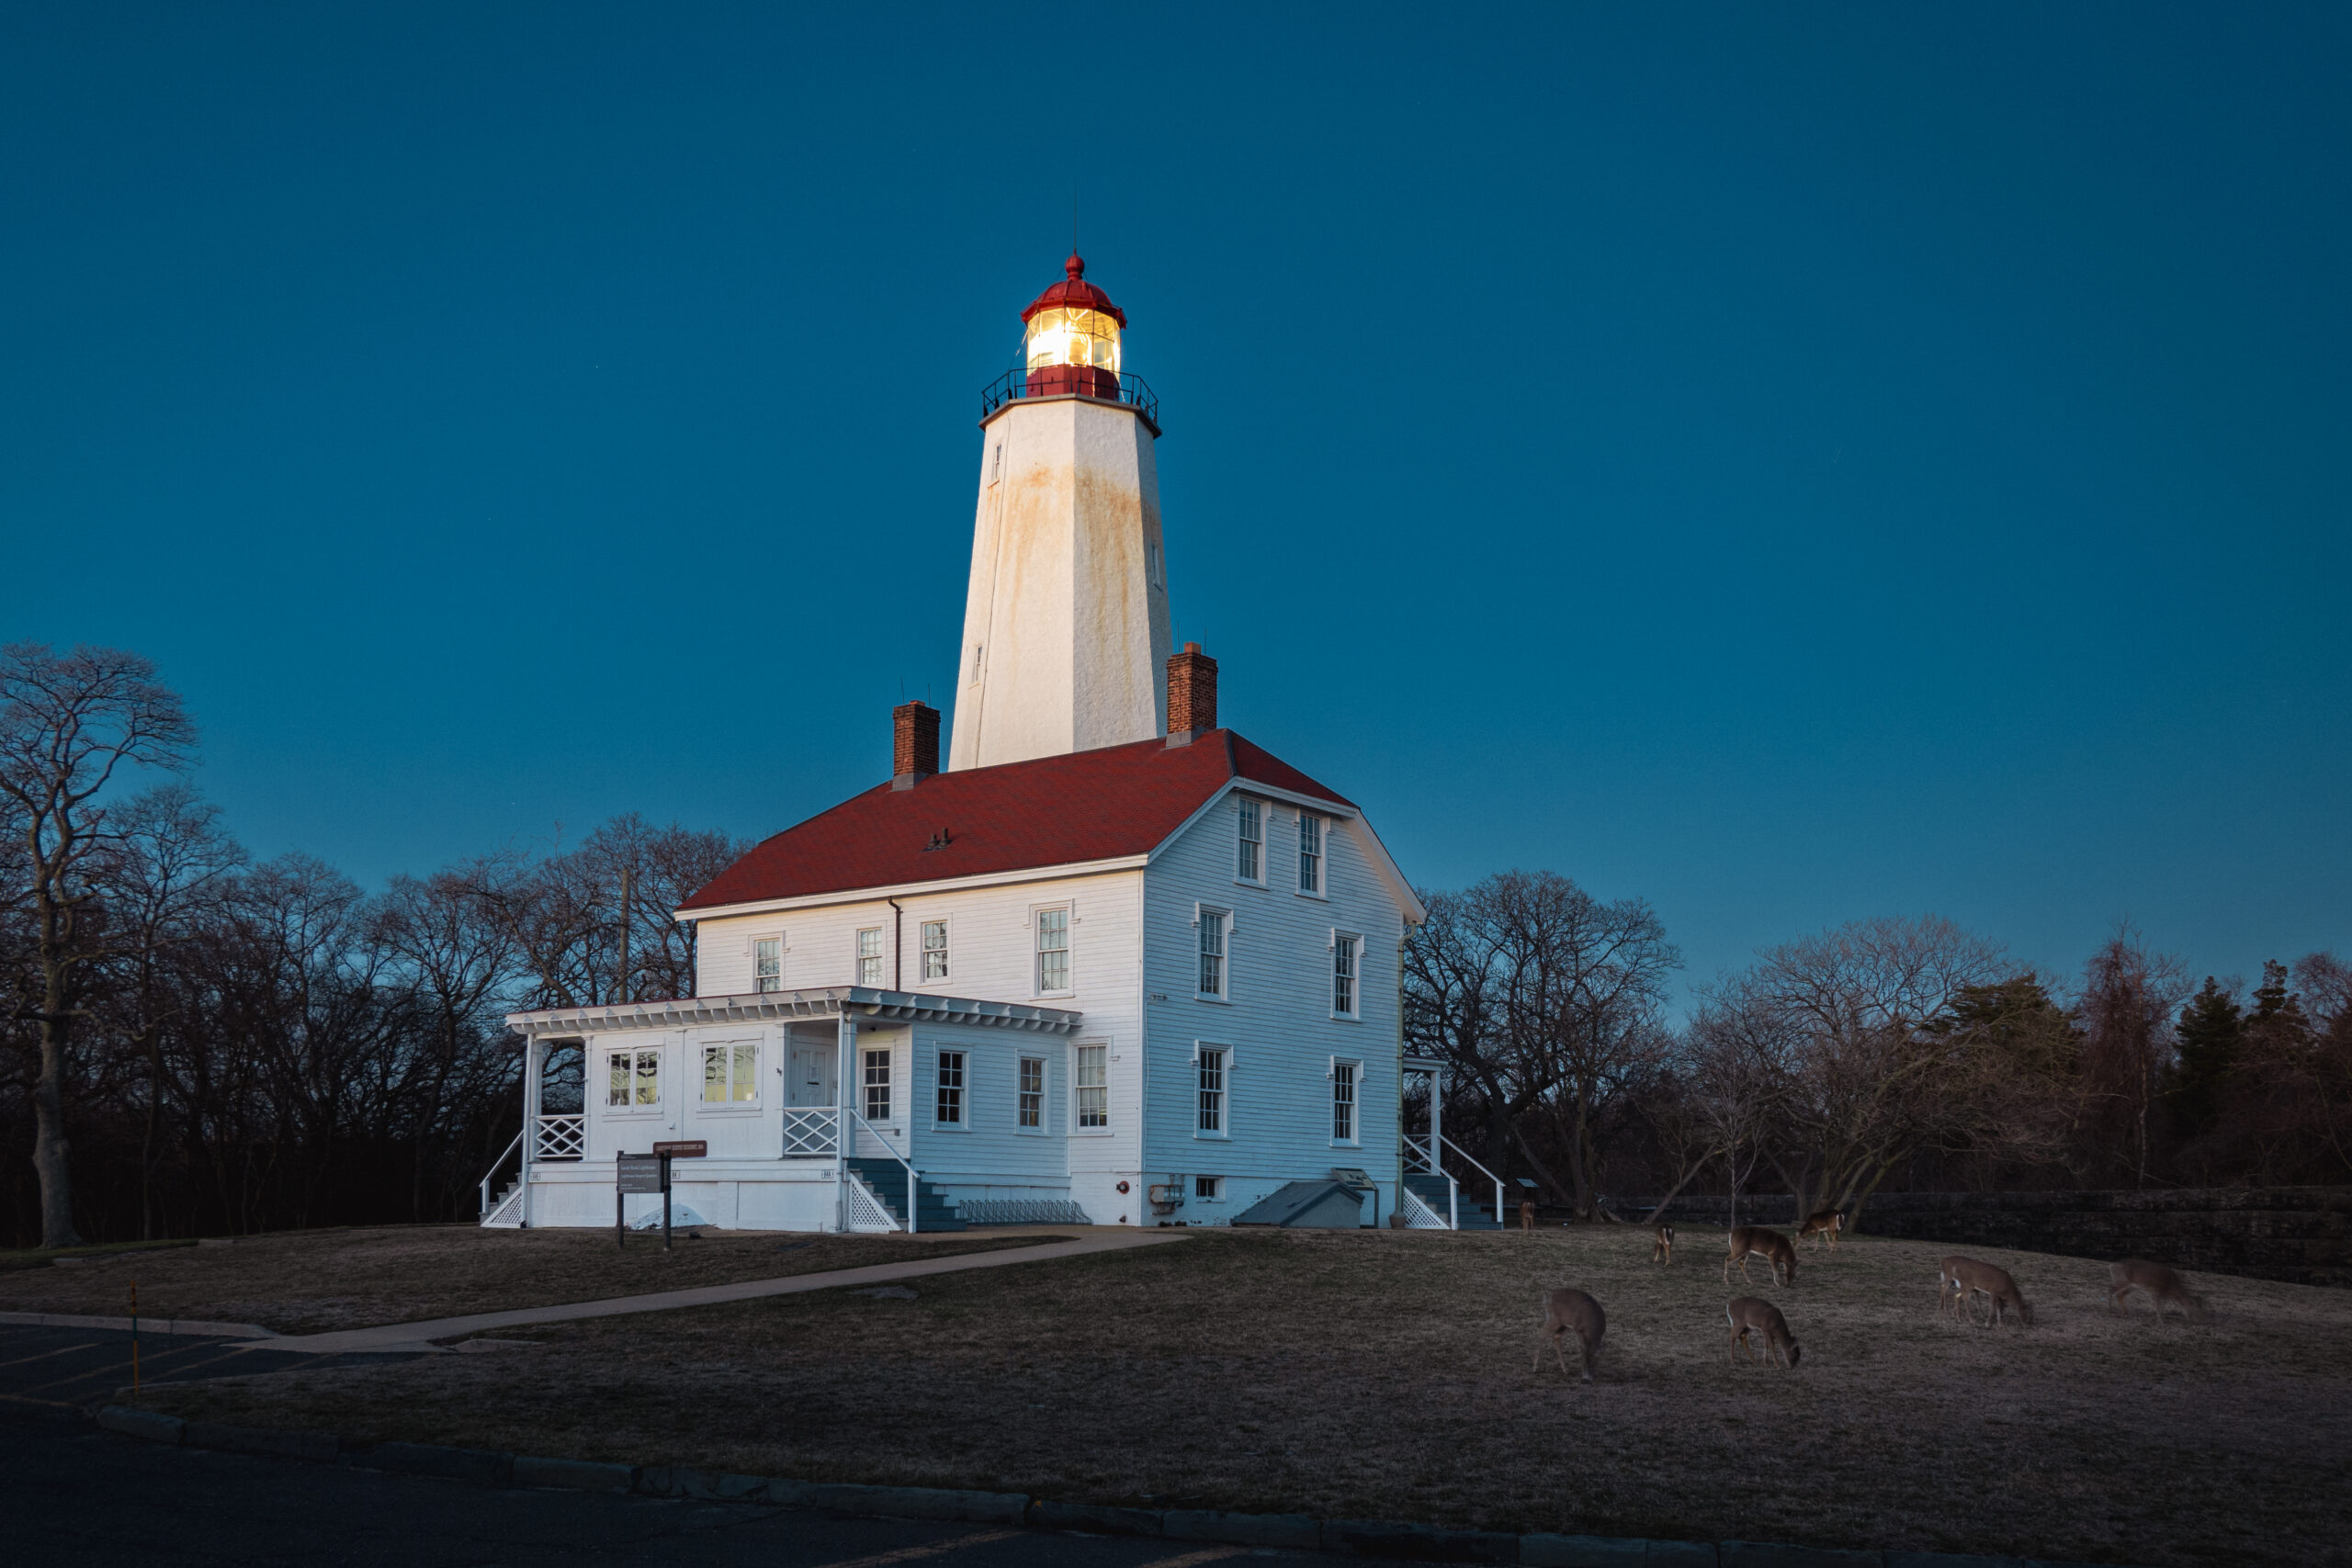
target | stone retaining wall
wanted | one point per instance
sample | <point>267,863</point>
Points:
<point>2299,1233</point>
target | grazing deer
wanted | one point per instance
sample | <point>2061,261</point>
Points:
<point>1662,1249</point>
<point>1826,1225</point>
<point>2161,1283</point>
<point>1755,1241</point>
<point>1967,1278</point>
<point>1571,1312</point>
<point>1755,1314</point>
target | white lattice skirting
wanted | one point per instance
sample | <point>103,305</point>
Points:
<point>1418,1216</point>
<point>506,1213</point>
<point>867,1214</point>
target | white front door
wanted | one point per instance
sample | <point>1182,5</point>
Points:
<point>809,1072</point>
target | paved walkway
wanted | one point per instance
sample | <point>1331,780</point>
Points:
<point>414,1336</point>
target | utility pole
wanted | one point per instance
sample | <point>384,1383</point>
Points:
<point>624,975</point>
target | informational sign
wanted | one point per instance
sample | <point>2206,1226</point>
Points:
<point>641,1173</point>
<point>684,1148</point>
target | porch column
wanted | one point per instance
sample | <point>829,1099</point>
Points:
<point>844,1034</point>
<point>532,1061</point>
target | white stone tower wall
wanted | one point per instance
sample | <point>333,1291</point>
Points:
<point>1066,630</point>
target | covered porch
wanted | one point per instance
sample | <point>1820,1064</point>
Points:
<point>803,1102</point>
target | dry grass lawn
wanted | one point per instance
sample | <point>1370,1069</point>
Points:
<point>1387,1374</point>
<point>310,1281</point>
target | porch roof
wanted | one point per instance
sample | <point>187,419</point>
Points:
<point>855,1001</point>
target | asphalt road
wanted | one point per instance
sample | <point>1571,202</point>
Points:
<point>73,1495</point>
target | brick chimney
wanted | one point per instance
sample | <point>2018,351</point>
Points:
<point>914,744</point>
<point>1191,695</point>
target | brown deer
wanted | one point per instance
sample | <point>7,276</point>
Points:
<point>1526,1216</point>
<point>1569,1312</point>
<point>1967,1278</point>
<point>1662,1249</point>
<point>1755,1241</point>
<point>1826,1225</point>
<point>1755,1314</point>
<point>2161,1283</point>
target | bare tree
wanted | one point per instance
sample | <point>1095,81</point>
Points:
<point>2126,1009</point>
<point>70,724</point>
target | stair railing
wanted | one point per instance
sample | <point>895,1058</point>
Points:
<point>883,1144</point>
<point>488,1175</point>
<point>1482,1171</point>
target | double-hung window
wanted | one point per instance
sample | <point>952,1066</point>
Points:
<point>1212,1091</point>
<point>767,963</point>
<point>1213,925</point>
<point>1251,863</point>
<point>1343,1102</point>
<point>1094,1089</point>
<point>934,950</point>
<point>1052,950</point>
<point>949,1111</point>
<point>1032,1099</point>
<point>730,1074</point>
<point>876,1074</point>
<point>1310,852</point>
<point>869,956</point>
<point>1343,974</point>
<point>636,1080</point>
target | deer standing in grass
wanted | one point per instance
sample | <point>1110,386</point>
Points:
<point>1755,1241</point>
<point>1569,1312</point>
<point>1826,1225</point>
<point>1967,1278</point>
<point>1662,1248</point>
<point>1749,1315</point>
<point>2161,1283</point>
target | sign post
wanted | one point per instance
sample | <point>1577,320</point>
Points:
<point>678,1148</point>
<point>638,1173</point>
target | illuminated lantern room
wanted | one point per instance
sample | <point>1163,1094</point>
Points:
<point>1071,342</point>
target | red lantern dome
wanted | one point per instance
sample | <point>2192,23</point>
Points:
<point>1071,345</point>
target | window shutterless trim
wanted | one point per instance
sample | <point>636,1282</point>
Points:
<point>1079,1087</point>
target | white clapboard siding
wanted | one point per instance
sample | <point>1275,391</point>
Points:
<point>1278,1024</point>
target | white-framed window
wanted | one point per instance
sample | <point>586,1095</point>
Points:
<point>947,1110</point>
<point>730,1074</point>
<point>1211,1070</point>
<point>1212,979</point>
<point>1310,854</point>
<point>767,963</point>
<point>1345,953</point>
<point>1343,1102</point>
<point>1053,950</point>
<point>869,956</point>
<point>1031,1102</point>
<point>1208,1189</point>
<point>934,950</point>
<point>636,1079</point>
<point>874,1073</point>
<point>1249,862</point>
<point>1093,1087</point>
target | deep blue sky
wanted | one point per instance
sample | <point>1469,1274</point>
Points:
<point>1789,462</point>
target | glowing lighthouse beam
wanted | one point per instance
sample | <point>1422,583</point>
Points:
<point>1066,630</point>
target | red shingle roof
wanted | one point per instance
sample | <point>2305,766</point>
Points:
<point>1085,805</point>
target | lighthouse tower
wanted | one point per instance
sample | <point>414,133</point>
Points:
<point>1065,638</point>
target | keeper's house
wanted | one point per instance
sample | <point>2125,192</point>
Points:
<point>1117,966</point>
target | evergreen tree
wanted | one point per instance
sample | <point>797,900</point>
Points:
<point>2278,1026</point>
<point>2210,1033</point>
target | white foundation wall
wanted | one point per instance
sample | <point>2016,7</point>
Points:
<point>1066,628</point>
<point>992,956</point>
<point>1278,1025</point>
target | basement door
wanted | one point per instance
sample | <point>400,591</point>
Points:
<point>809,1068</point>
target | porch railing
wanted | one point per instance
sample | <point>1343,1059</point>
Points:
<point>861,1125</point>
<point>492,1174</point>
<point>811,1131</point>
<point>562,1137</point>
